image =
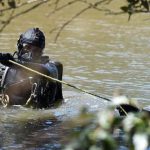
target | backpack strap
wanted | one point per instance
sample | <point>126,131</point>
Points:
<point>4,76</point>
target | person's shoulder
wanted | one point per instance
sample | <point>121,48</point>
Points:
<point>48,62</point>
<point>51,63</point>
<point>45,59</point>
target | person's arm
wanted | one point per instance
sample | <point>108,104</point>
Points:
<point>5,57</point>
<point>43,68</point>
<point>36,66</point>
<point>47,69</point>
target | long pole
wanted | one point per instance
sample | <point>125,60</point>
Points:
<point>63,82</point>
<point>54,79</point>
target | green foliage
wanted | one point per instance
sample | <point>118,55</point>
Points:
<point>10,3</point>
<point>104,130</point>
<point>136,6</point>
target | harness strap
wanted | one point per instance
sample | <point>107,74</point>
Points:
<point>33,94</point>
<point>4,100</point>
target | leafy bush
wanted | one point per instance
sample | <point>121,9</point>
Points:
<point>106,131</point>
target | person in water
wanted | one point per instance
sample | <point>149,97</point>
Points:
<point>22,87</point>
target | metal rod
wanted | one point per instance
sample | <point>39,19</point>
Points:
<point>54,79</point>
<point>63,82</point>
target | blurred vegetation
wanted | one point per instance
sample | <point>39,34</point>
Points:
<point>107,131</point>
<point>11,9</point>
<point>136,6</point>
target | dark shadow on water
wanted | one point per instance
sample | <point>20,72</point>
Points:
<point>34,132</point>
<point>25,128</point>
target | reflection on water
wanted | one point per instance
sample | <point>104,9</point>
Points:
<point>24,128</point>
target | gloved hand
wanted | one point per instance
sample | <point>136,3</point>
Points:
<point>5,57</point>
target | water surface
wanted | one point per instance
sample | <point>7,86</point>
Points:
<point>99,52</point>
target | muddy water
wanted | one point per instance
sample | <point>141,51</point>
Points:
<point>100,53</point>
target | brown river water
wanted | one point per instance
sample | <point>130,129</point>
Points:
<point>99,52</point>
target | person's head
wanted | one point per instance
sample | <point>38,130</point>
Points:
<point>31,44</point>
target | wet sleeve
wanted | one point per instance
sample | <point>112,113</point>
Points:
<point>47,69</point>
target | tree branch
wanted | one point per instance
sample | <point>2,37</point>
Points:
<point>21,5</point>
<point>90,5</point>
<point>66,23</point>
<point>62,7</point>
<point>8,21</point>
<point>19,14</point>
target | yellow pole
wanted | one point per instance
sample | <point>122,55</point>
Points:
<point>50,78</point>
<point>54,79</point>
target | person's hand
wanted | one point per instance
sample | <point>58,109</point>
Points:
<point>5,57</point>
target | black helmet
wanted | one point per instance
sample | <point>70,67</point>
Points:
<point>32,36</point>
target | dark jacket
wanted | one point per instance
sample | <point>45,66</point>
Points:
<point>18,83</point>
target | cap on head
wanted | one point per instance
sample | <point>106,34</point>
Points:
<point>32,36</point>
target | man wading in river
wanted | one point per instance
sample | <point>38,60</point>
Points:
<point>21,87</point>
